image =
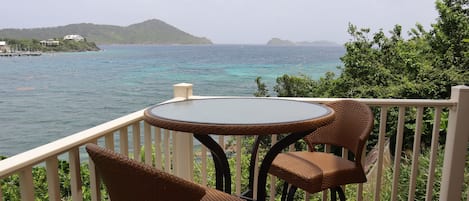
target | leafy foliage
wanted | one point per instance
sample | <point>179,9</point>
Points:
<point>11,191</point>
<point>449,34</point>
<point>424,65</point>
<point>64,45</point>
<point>262,90</point>
<point>421,177</point>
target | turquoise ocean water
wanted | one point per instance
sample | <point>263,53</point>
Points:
<point>54,95</point>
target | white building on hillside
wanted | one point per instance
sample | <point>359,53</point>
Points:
<point>49,42</point>
<point>74,37</point>
<point>4,47</point>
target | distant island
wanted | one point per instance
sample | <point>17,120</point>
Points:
<point>148,32</point>
<point>280,42</point>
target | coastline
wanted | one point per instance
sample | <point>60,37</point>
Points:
<point>19,54</point>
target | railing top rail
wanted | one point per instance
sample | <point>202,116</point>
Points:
<point>39,154</point>
<point>369,101</point>
<point>393,102</point>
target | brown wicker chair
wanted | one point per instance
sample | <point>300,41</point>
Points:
<point>317,171</point>
<point>128,180</point>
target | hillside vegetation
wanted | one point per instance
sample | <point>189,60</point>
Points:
<point>19,45</point>
<point>148,32</point>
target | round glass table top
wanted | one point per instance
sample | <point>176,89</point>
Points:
<point>235,112</point>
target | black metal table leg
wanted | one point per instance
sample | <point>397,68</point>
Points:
<point>223,175</point>
<point>218,172</point>
<point>222,167</point>
<point>252,165</point>
<point>269,158</point>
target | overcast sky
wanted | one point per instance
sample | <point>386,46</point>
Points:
<point>228,22</point>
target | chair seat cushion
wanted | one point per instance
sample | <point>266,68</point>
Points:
<point>316,171</point>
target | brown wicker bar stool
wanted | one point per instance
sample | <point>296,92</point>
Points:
<point>316,171</point>
<point>128,180</point>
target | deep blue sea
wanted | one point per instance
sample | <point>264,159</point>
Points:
<point>48,97</point>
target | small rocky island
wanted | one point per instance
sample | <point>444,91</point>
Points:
<point>278,41</point>
<point>281,42</point>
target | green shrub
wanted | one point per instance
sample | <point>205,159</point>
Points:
<point>11,190</point>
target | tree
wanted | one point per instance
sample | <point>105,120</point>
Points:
<point>424,65</point>
<point>262,90</point>
<point>449,33</point>
<point>294,86</point>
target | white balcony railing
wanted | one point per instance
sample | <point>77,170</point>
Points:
<point>168,150</point>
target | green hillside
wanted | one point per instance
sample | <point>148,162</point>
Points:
<point>148,32</point>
